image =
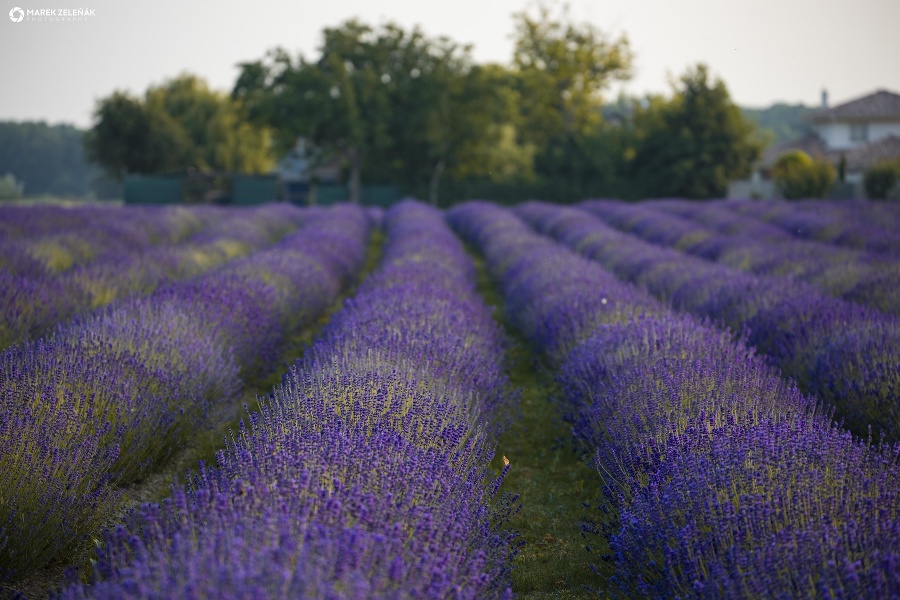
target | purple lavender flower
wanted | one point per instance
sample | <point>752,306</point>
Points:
<point>364,473</point>
<point>111,395</point>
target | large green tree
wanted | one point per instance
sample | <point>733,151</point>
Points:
<point>395,105</point>
<point>129,137</point>
<point>694,143</point>
<point>178,125</point>
<point>563,69</point>
<point>338,103</point>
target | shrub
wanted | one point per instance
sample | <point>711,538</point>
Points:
<point>10,188</point>
<point>797,175</point>
<point>881,179</point>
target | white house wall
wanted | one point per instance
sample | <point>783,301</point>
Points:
<point>879,131</point>
<point>836,135</point>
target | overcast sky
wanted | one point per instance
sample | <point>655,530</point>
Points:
<point>766,51</point>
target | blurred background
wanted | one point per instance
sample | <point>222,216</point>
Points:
<point>224,102</point>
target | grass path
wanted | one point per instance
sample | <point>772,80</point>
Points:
<point>553,483</point>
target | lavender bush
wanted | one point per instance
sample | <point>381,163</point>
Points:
<point>793,323</point>
<point>725,480</point>
<point>863,277</point>
<point>365,473</point>
<point>797,509</point>
<point>36,299</point>
<point>871,226</point>
<point>113,394</point>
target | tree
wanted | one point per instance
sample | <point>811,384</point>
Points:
<point>692,145</point>
<point>10,189</point>
<point>47,159</point>
<point>129,137</point>
<point>470,125</point>
<point>179,125</point>
<point>563,68</point>
<point>220,135</point>
<point>782,122</point>
<point>797,175</point>
<point>395,105</point>
<point>881,179</point>
<point>338,102</point>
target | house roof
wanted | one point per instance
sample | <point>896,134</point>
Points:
<point>810,143</point>
<point>859,158</point>
<point>883,104</point>
<point>863,157</point>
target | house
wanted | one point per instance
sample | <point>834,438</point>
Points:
<point>858,133</point>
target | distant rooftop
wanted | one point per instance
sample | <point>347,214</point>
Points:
<point>863,157</point>
<point>810,143</point>
<point>882,104</point>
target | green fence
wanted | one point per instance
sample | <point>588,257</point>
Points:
<point>227,188</point>
<point>254,189</point>
<point>204,188</point>
<point>153,189</point>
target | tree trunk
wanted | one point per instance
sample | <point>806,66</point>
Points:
<point>436,181</point>
<point>355,175</point>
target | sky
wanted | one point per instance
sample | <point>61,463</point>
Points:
<point>766,51</point>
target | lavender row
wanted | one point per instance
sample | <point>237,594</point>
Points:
<point>759,247</point>
<point>33,302</point>
<point>845,354</point>
<point>113,395</point>
<point>48,240</point>
<point>727,481</point>
<point>871,226</point>
<point>364,474</point>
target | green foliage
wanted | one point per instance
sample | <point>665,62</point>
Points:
<point>10,189</point>
<point>781,122</point>
<point>796,175</point>
<point>177,126</point>
<point>220,137</point>
<point>129,137</point>
<point>395,105</point>
<point>563,67</point>
<point>48,159</point>
<point>693,144</point>
<point>881,180</point>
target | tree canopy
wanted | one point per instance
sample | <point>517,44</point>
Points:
<point>45,159</point>
<point>177,126</point>
<point>394,105</point>
<point>694,143</point>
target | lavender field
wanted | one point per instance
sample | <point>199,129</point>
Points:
<point>666,399</point>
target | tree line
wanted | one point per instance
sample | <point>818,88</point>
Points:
<point>394,105</point>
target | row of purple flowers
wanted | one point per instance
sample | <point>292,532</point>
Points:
<point>720,479</point>
<point>364,475</point>
<point>844,354</point>
<point>96,256</point>
<point>871,226</point>
<point>749,244</point>
<point>111,396</point>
